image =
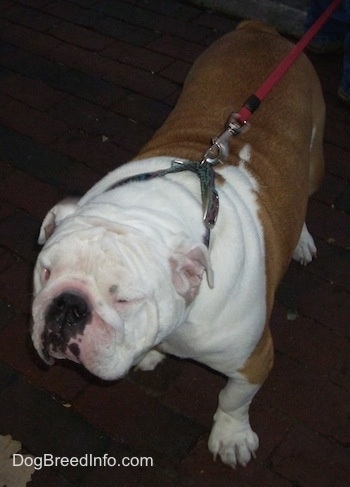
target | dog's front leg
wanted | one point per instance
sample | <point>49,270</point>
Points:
<point>150,360</point>
<point>232,437</point>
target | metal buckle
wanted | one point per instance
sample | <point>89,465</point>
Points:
<point>219,149</point>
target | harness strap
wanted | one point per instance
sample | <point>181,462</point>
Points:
<point>206,175</point>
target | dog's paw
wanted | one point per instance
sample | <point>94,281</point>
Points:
<point>305,250</point>
<point>150,360</point>
<point>233,441</point>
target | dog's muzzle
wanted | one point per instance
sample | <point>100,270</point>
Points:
<point>65,318</point>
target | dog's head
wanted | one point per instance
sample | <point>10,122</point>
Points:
<point>105,293</point>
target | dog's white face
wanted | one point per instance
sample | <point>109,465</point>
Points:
<point>106,294</point>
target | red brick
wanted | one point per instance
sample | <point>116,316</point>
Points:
<point>35,3</point>
<point>76,57</point>
<point>176,48</point>
<point>219,23</point>
<point>308,459</point>
<point>33,123</point>
<point>4,100</point>
<point>137,56</point>
<point>34,19</point>
<point>89,87</point>
<point>312,344</point>
<point>135,79</point>
<point>15,285</point>
<point>329,76</point>
<point>124,76</point>
<point>6,209</point>
<point>329,224</point>
<point>164,432</point>
<point>176,72</point>
<point>307,397</point>
<point>30,194</point>
<point>133,137</point>
<point>332,264</point>
<point>145,18</point>
<point>32,65</point>
<point>93,150</point>
<point>18,232</point>
<point>23,37</point>
<point>72,13</point>
<point>199,469</point>
<point>335,132</point>
<point>34,93</point>
<point>202,385</point>
<point>6,260</point>
<point>124,31</point>
<point>32,157</point>
<point>159,380</point>
<point>172,99</point>
<point>78,178</point>
<point>328,304</point>
<point>87,116</point>
<point>5,170</point>
<point>175,10</point>
<point>337,160</point>
<point>151,113</point>
<point>271,426</point>
<point>80,36</point>
<point>331,188</point>
<point>5,4</point>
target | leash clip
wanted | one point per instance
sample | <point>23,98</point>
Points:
<point>219,149</point>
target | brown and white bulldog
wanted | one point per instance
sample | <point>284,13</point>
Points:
<point>119,281</point>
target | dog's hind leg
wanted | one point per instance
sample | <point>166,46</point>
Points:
<point>316,168</point>
<point>306,249</point>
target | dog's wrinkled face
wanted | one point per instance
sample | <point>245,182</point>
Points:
<point>104,297</point>
<point>97,299</point>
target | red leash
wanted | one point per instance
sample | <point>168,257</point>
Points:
<point>238,121</point>
<point>253,102</point>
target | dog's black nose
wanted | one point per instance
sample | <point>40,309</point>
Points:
<point>68,310</point>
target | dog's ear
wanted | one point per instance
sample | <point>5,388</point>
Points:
<point>188,263</point>
<point>60,211</point>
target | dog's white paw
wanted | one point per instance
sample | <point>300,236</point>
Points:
<point>150,360</point>
<point>305,250</point>
<point>235,442</point>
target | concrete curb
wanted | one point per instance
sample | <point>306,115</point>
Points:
<point>287,19</point>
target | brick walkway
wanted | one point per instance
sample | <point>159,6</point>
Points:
<point>83,84</point>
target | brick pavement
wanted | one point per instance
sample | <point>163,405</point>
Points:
<point>83,84</point>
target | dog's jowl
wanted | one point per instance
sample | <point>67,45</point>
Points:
<point>128,273</point>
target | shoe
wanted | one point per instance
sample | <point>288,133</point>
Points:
<point>319,47</point>
<point>343,97</point>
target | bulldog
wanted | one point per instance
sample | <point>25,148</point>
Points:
<point>126,274</point>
